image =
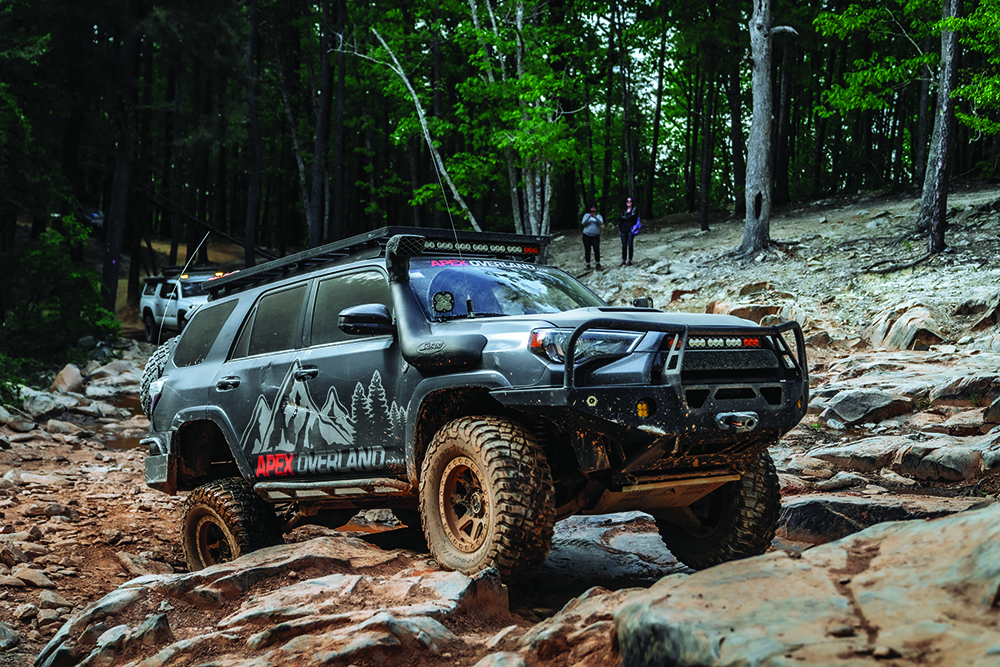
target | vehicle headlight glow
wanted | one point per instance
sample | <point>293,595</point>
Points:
<point>155,389</point>
<point>551,343</point>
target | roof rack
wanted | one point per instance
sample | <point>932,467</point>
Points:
<point>372,244</point>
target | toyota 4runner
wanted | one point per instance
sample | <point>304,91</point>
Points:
<point>478,394</point>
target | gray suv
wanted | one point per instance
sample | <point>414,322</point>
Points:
<point>478,394</point>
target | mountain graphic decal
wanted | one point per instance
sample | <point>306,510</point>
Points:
<point>295,423</point>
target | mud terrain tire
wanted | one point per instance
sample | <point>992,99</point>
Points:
<point>223,520</point>
<point>739,520</point>
<point>152,372</point>
<point>486,498</point>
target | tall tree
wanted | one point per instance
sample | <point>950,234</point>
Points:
<point>123,152</point>
<point>256,143</point>
<point>934,201</point>
<point>757,224</point>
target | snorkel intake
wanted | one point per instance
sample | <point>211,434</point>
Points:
<point>420,347</point>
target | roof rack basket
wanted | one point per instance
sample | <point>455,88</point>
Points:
<point>372,244</point>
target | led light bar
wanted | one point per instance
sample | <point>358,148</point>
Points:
<point>723,342</point>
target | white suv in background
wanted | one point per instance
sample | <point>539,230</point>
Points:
<point>168,300</point>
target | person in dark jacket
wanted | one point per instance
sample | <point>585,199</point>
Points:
<point>628,218</point>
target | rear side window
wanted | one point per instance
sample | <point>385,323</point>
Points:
<point>274,324</point>
<point>201,332</point>
<point>340,292</point>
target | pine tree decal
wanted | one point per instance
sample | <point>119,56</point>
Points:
<point>377,411</point>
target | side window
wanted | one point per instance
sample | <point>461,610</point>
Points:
<point>335,294</point>
<point>166,289</point>
<point>273,325</point>
<point>201,332</point>
<point>149,289</point>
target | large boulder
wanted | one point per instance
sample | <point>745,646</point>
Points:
<point>900,591</point>
<point>906,326</point>
<point>859,406</point>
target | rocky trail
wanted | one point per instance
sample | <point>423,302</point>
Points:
<point>886,554</point>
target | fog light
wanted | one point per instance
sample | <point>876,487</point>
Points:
<point>645,408</point>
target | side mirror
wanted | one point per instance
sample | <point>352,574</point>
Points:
<point>369,319</point>
<point>643,302</point>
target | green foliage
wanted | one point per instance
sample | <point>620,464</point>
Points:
<point>894,59</point>
<point>980,32</point>
<point>56,301</point>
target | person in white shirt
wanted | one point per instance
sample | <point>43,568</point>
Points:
<point>592,222</point>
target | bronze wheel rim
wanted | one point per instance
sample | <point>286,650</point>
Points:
<point>213,547</point>
<point>464,504</point>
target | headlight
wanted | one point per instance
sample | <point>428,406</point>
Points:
<point>155,389</point>
<point>551,343</point>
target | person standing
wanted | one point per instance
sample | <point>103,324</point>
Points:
<point>592,222</point>
<point>626,221</point>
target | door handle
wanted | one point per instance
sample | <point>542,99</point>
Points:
<point>306,373</point>
<point>227,383</point>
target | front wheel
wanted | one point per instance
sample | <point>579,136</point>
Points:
<point>738,520</point>
<point>149,328</point>
<point>223,520</point>
<point>486,498</point>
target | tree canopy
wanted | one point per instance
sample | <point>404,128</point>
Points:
<point>284,123</point>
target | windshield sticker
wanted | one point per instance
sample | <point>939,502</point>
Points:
<point>501,264</point>
<point>449,262</point>
<point>416,274</point>
<point>287,437</point>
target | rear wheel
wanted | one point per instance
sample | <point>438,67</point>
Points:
<point>223,520</point>
<point>149,327</point>
<point>486,498</point>
<point>738,520</point>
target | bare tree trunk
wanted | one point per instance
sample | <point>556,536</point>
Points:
<point>738,144</point>
<point>316,199</point>
<point>757,225</point>
<point>707,144</point>
<point>920,141</point>
<point>782,145</point>
<point>651,174</point>
<point>256,143</point>
<point>177,157</point>
<point>338,130</point>
<point>123,156</point>
<point>611,60</point>
<point>935,197</point>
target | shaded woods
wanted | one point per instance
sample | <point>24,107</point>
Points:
<point>282,124</point>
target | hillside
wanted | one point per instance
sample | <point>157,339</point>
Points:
<point>817,272</point>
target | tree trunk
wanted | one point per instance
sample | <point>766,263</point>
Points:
<point>736,139</point>
<point>123,156</point>
<point>338,130</point>
<point>651,173</point>
<point>176,178</point>
<point>316,206</point>
<point>757,226</point>
<point>707,144</point>
<point>920,141</point>
<point>256,143</point>
<point>611,60</point>
<point>935,196</point>
<point>782,145</point>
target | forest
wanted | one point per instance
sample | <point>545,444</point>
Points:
<point>286,124</point>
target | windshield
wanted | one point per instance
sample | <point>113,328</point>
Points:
<point>495,287</point>
<point>193,286</point>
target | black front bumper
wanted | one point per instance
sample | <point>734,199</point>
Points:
<point>674,422</point>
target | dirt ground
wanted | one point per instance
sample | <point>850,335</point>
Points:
<point>820,260</point>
